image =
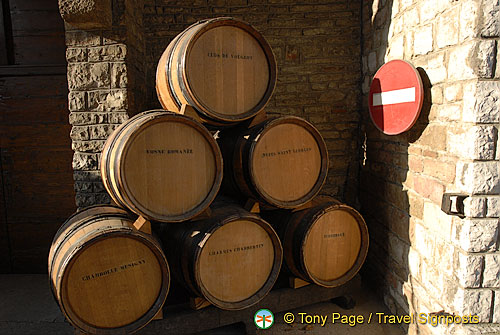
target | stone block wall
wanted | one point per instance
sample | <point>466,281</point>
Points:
<point>106,85</point>
<point>97,104</point>
<point>112,69</point>
<point>425,260</point>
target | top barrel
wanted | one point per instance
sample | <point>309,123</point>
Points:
<point>222,67</point>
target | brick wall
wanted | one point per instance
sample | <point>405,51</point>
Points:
<point>425,260</point>
<point>317,51</point>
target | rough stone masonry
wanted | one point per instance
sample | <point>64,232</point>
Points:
<point>424,259</point>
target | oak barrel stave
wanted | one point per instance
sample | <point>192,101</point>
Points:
<point>105,159</point>
<point>80,217</point>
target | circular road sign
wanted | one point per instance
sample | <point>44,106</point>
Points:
<point>396,97</point>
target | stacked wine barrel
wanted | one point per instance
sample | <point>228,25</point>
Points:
<point>166,167</point>
<point>107,276</point>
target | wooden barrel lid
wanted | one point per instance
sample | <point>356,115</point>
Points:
<point>167,167</point>
<point>227,70</point>
<point>335,245</point>
<point>337,235</point>
<point>112,283</point>
<point>289,162</point>
<point>236,261</point>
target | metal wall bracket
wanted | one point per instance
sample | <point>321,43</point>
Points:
<point>453,204</point>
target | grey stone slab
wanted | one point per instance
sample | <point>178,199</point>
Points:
<point>27,307</point>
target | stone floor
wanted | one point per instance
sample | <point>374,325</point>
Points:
<point>366,303</point>
<point>27,307</point>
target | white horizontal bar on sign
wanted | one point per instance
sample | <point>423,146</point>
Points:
<point>394,97</point>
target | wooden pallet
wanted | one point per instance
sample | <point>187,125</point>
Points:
<point>184,320</point>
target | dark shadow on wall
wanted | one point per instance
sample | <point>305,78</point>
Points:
<point>377,118</point>
<point>423,120</point>
<point>386,206</point>
<point>384,178</point>
<point>36,176</point>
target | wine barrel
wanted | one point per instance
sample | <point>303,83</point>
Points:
<point>107,277</point>
<point>222,67</point>
<point>281,162</point>
<point>232,259</point>
<point>325,244</point>
<point>163,166</point>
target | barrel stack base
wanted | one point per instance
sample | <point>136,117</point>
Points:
<point>179,318</point>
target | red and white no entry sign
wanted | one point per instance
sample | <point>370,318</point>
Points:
<point>396,97</point>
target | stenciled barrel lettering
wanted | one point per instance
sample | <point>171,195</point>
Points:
<point>112,270</point>
<point>286,152</point>
<point>224,55</point>
<point>236,249</point>
<point>169,151</point>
